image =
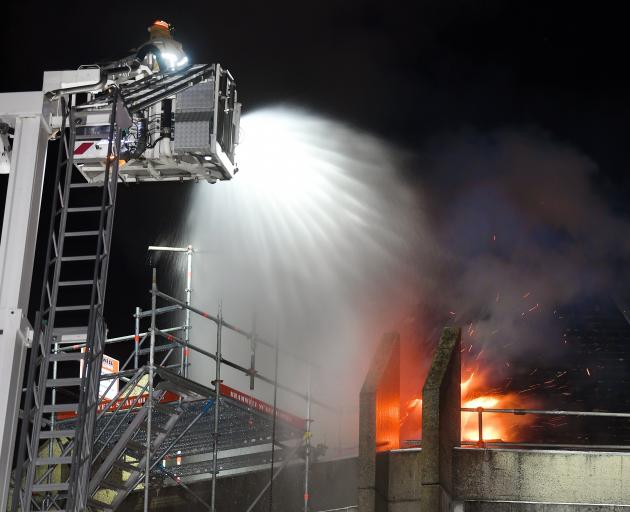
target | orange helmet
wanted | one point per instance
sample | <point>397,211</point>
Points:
<point>160,28</point>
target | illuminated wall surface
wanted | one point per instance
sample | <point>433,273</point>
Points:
<point>388,407</point>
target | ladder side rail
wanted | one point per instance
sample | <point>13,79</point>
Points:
<point>88,398</point>
<point>25,454</point>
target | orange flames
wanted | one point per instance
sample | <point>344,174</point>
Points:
<point>476,393</point>
<point>496,426</point>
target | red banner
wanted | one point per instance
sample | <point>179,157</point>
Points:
<point>261,406</point>
<point>226,391</point>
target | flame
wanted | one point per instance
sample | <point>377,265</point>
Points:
<point>476,393</point>
<point>497,426</point>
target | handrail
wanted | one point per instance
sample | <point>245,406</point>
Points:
<point>236,366</point>
<point>228,325</point>
<point>586,447</point>
<point>521,412</point>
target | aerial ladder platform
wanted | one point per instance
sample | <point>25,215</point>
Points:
<point>148,117</point>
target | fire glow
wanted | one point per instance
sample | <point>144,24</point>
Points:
<point>497,427</point>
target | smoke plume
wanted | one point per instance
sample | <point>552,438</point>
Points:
<point>329,236</point>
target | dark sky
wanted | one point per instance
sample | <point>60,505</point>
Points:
<point>402,69</point>
<point>407,71</point>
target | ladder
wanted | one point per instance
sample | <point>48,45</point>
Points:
<point>73,294</point>
<point>125,464</point>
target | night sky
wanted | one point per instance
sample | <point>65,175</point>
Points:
<point>409,72</point>
<point>404,70</point>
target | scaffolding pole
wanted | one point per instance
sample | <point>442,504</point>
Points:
<point>217,387</point>
<point>284,464</point>
<point>184,351</point>
<point>189,253</point>
<point>149,403</point>
<point>136,338</point>
<point>273,424</point>
<point>307,442</point>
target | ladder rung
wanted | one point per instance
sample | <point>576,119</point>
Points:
<point>99,504</point>
<point>81,233</point>
<point>55,434</point>
<point>165,409</point>
<point>85,282</point>
<point>63,486</point>
<point>154,429</point>
<point>89,257</point>
<point>67,356</point>
<point>52,461</point>
<point>55,383</point>
<point>136,447</point>
<point>126,466</point>
<point>60,408</point>
<point>81,307</point>
<point>113,485</point>
<point>85,185</point>
<point>182,387</point>
<point>80,209</point>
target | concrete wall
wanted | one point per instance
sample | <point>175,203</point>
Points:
<point>445,477</point>
<point>441,422</point>
<point>518,481</point>
<point>538,507</point>
<point>379,408</point>
<point>542,476</point>
<point>405,475</point>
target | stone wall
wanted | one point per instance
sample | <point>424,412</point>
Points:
<point>379,424</point>
<point>548,476</point>
<point>441,422</point>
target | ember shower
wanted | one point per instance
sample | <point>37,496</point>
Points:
<point>324,242</point>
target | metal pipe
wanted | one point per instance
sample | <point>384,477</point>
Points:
<point>246,334</point>
<point>122,420</point>
<point>307,444</point>
<point>168,249</point>
<point>149,403</point>
<point>252,358</point>
<point>129,337</point>
<point>181,484</point>
<point>136,338</point>
<point>164,453</point>
<point>342,509</point>
<point>186,350</point>
<point>52,416</point>
<point>549,413</point>
<point>217,387</point>
<point>273,426</point>
<point>480,425</point>
<point>232,327</point>
<point>598,447</point>
<point>160,311</point>
<point>242,369</point>
<point>284,464</point>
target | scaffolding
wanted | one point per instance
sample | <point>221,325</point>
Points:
<point>161,428</point>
